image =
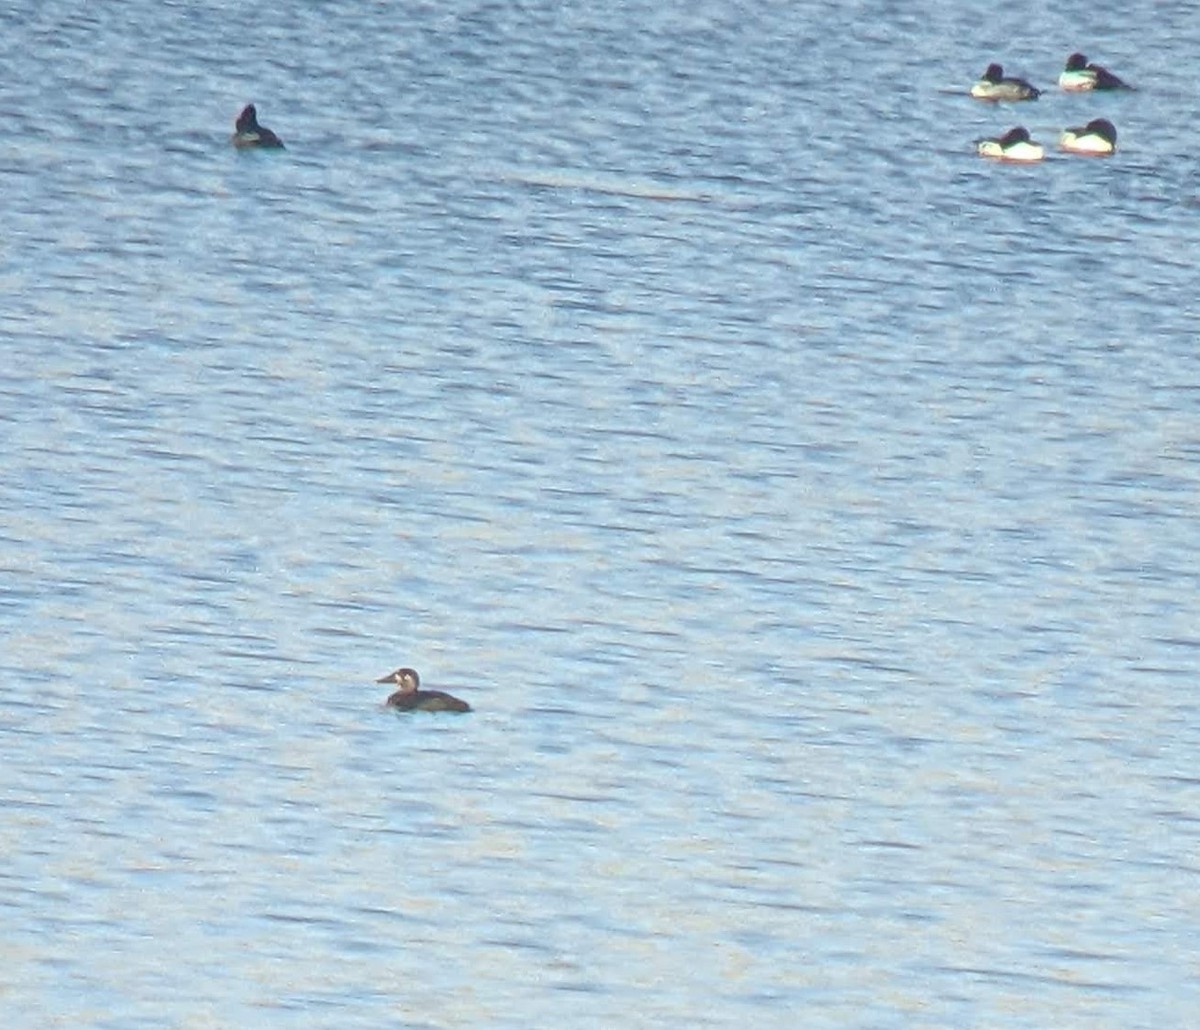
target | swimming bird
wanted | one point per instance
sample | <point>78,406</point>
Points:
<point>1099,136</point>
<point>1014,145</point>
<point>410,697</point>
<point>994,85</point>
<point>248,133</point>
<point>1079,75</point>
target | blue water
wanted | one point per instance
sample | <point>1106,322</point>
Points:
<point>807,507</point>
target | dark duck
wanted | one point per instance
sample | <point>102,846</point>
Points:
<point>409,697</point>
<point>248,133</point>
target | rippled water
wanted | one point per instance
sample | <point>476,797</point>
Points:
<point>807,507</point>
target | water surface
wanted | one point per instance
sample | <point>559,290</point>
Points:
<point>806,507</point>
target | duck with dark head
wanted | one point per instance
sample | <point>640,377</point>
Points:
<point>248,133</point>
<point>411,698</point>
<point>993,84</point>
<point>1080,75</point>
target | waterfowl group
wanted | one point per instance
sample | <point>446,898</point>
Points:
<point>411,698</point>
<point>1078,75</point>
<point>248,133</point>
<point>1098,137</point>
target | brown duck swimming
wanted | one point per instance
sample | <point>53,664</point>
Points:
<point>411,698</point>
<point>248,133</point>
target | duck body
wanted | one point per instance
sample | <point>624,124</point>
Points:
<point>1098,137</point>
<point>1015,145</point>
<point>1079,76</point>
<point>248,133</point>
<point>411,698</point>
<point>995,85</point>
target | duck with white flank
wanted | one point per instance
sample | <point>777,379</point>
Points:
<point>411,698</point>
<point>995,85</point>
<point>1079,75</point>
<point>1098,137</point>
<point>1014,145</point>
